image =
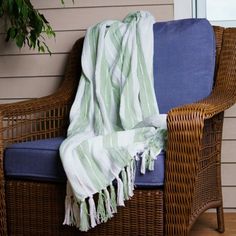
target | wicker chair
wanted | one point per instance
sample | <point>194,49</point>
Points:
<point>192,175</point>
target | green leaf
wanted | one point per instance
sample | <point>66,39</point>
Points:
<point>1,8</point>
<point>38,27</point>
<point>20,38</point>
<point>46,46</point>
<point>41,49</point>
<point>9,6</point>
<point>13,32</point>
<point>19,4</point>
<point>8,35</point>
<point>24,11</point>
<point>16,8</point>
<point>26,24</point>
<point>33,36</point>
<point>44,19</point>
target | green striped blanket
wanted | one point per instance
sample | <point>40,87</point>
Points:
<point>113,120</point>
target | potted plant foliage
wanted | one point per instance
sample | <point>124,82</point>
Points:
<point>25,25</point>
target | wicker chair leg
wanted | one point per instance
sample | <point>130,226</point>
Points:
<point>220,219</point>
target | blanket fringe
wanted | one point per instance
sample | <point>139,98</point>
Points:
<point>147,160</point>
<point>144,158</point>
<point>150,161</point>
<point>113,199</point>
<point>79,215</point>
<point>92,212</point>
<point>101,213</point>
<point>76,214</point>
<point>130,178</point>
<point>69,213</point>
<point>108,203</point>
<point>125,184</point>
<point>120,192</point>
<point>84,217</point>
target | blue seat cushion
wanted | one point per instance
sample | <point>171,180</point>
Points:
<point>184,62</point>
<point>151,178</point>
<point>36,160</point>
<point>40,160</point>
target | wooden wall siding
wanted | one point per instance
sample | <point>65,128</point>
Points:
<point>52,4</point>
<point>229,199</point>
<point>228,168</point>
<point>231,112</point>
<point>26,74</point>
<point>229,128</point>
<point>74,18</point>
<point>46,85</point>
<point>20,66</point>
<point>61,44</point>
<point>229,151</point>
<point>40,74</point>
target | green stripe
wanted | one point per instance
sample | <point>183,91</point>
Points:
<point>145,83</point>
<point>94,173</point>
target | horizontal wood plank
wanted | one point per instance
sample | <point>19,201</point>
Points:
<point>19,87</point>
<point>229,128</point>
<point>231,112</point>
<point>80,18</point>
<point>229,174</point>
<point>61,44</point>
<point>228,152</point>
<point>229,197</point>
<point>32,65</point>
<point>206,225</point>
<point>45,4</point>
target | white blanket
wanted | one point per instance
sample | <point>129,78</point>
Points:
<point>114,117</point>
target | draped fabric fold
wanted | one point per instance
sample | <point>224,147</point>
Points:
<point>113,120</point>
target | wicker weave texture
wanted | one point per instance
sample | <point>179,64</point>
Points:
<point>29,202</point>
<point>192,174</point>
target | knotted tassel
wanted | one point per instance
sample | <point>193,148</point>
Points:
<point>144,161</point>
<point>68,220</point>
<point>101,213</point>
<point>150,161</point>
<point>84,219</point>
<point>129,180</point>
<point>113,199</point>
<point>120,193</point>
<point>92,212</point>
<point>76,214</point>
<point>68,211</point>
<point>125,184</point>
<point>108,203</point>
<point>132,172</point>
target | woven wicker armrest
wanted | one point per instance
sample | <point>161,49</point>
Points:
<point>194,145</point>
<point>192,164</point>
<point>33,119</point>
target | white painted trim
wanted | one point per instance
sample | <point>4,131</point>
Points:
<point>201,9</point>
<point>183,9</point>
